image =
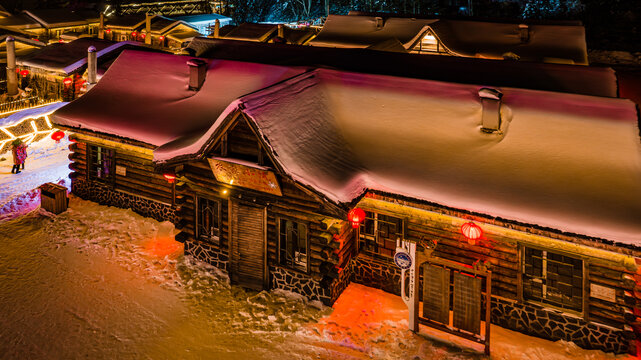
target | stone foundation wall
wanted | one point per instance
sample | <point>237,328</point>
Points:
<point>340,284</point>
<point>293,281</point>
<point>208,253</point>
<point>377,273</point>
<point>553,325</point>
<point>105,195</point>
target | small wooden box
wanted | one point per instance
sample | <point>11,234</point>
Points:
<point>53,198</point>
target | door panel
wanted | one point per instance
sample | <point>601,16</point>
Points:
<point>247,248</point>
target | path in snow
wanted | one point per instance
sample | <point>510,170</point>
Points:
<point>102,282</point>
<point>46,162</point>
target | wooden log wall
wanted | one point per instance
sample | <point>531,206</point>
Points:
<point>139,179</point>
<point>201,183</point>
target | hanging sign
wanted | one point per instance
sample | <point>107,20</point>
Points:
<point>402,259</point>
<point>237,174</point>
<point>121,170</point>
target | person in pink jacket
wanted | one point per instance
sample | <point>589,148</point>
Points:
<point>19,151</point>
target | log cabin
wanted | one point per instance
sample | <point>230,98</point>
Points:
<point>536,42</point>
<point>259,167</point>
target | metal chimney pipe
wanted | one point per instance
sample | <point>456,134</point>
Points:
<point>491,102</point>
<point>92,65</point>
<point>216,28</point>
<point>101,27</point>
<point>197,72</point>
<point>148,17</point>
<point>12,76</point>
<point>281,31</point>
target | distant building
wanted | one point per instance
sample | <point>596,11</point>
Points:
<point>49,25</point>
<point>204,23</point>
<point>154,30</point>
<point>553,43</point>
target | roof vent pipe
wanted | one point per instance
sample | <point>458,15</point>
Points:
<point>281,31</point>
<point>197,71</point>
<point>491,102</point>
<point>379,22</point>
<point>12,77</point>
<point>524,32</point>
<point>148,17</point>
<point>217,28</point>
<point>92,66</point>
<point>101,27</point>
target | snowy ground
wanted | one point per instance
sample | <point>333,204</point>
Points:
<point>102,282</point>
<point>46,162</point>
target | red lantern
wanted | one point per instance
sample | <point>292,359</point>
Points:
<point>143,35</point>
<point>169,177</point>
<point>134,34</point>
<point>67,81</point>
<point>60,41</point>
<point>356,216</point>
<point>108,31</point>
<point>161,38</point>
<point>472,232</point>
<point>58,135</point>
<point>24,73</point>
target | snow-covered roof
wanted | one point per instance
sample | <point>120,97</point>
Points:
<point>544,43</point>
<point>59,17</point>
<point>68,57</point>
<point>251,32</point>
<point>144,96</point>
<point>365,31</point>
<point>563,161</point>
<point>130,21</point>
<point>586,80</point>
<point>203,18</point>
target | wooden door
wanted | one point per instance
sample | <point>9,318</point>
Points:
<point>247,246</point>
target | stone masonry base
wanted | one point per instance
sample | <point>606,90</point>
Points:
<point>105,195</point>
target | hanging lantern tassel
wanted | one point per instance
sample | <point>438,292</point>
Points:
<point>356,216</point>
<point>58,135</point>
<point>472,232</point>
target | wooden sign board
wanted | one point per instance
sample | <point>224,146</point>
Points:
<point>436,293</point>
<point>467,303</point>
<point>237,174</point>
<point>603,292</point>
<point>121,170</point>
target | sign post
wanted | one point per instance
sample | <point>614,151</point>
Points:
<point>405,258</point>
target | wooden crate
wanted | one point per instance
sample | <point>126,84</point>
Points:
<point>53,198</point>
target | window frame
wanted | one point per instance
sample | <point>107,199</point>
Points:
<point>91,165</point>
<point>293,266</point>
<point>551,304</point>
<point>202,237</point>
<point>364,237</point>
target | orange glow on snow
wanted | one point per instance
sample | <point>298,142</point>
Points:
<point>163,246</point>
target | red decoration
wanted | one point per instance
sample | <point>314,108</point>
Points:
<point>58,135</point>
<point>67,81</point>
<point>169,177</point>
<point>134,34</point>
<point>108,31</point>
<point>356,216</point>
<point>24,73</point>
<point>161,38</point>
<point>472,232</point>
<point>61,41</point>
<point>143,35</point>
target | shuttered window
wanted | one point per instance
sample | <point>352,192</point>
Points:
<point>101,164</point>
<point>553,278</point>
<point>209,220</point>
<point>379,233</point>
<point>293,244</point>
